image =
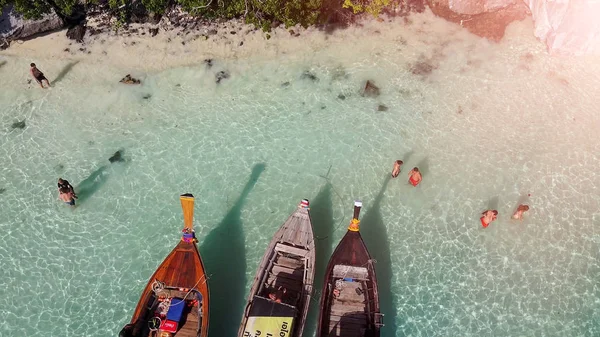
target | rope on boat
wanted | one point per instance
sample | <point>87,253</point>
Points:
<point>159,287</point>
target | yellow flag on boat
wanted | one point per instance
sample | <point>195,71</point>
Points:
<point>265,326</point>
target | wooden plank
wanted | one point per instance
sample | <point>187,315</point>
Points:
<point>291,250</point>
<point>289,284</point>
<point>289,262</point>
<point>353,317</point>
<point>341,308</point>
<point>297,274</point>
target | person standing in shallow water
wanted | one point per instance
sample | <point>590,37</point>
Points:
<point>38,75</point>
<point>66,196</point>
<point>518,215</point>
<point>414,176</point>
<point>396,169</point>
<point>487,217</point>
<point>65,184</point>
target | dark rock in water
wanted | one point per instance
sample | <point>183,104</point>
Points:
<point>19,125</point>
<point>241,43</point>
<point>76,33</point>
<point>307,75</point>
<point>212,32</point>
<point>221,75</point>
<point>208,62</point>
<point>147,96</point>
<point>178,85</point>
<point>2,190</point>
<point>285,84</point>
<point>382,107</point>
<point>371,90</point>
<point>129,80</point>
<point>153,31</point>
<point>422,68</point>
<point>342,96</point>
<point>117,157</point>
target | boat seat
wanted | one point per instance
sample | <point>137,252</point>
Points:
<point>174,315</point>
<point>350,272</point>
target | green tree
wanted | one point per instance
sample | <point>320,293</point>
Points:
<point>34,9</point>
<point>374,7</point>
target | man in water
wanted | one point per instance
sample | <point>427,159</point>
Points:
<point>414,176</point>
<point>65,184</point>
<point>487,217</point>
<point>38,75</point>
<point>396,169</point>
<point>66,196</point>
<point>518,215</point>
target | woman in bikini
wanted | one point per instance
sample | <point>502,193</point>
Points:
<point>414,176</point>
<point>518,215</point>
<point>396,169</point>
<point>487,217</point>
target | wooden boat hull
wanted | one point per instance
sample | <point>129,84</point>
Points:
<point>280,295</point>
<point>181,276</point>
<point>349,304</point>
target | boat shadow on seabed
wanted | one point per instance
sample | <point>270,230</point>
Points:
<point>224,254</point>
<point>374,233</point>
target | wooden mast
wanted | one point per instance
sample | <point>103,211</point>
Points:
<point>187,205</point>
<point>355,223</point>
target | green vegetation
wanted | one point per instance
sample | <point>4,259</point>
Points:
<point>34,9</point>
<point>262,13</point>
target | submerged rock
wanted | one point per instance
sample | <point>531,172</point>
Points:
<point>307,75</point>
<point>2,190</point>
<point>370,89</point>
<point>221,75</point>
<point>117,157</point>
<point>129,80</point>
<point>208,62</point>
<point>382,107</point>
<point>153,31</point>
<point>342,96</point>
<point>18,125</point>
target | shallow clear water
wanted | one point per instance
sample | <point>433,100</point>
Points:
<point>488,126</point>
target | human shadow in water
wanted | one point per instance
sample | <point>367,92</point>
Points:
<point>224,256</point>
<point>65,71</point>
<point>94,181</point>
<point>374,233</point>
<point>321,213</point>
<point>91,184</point>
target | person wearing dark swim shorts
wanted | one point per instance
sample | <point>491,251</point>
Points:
<point>38,75</point>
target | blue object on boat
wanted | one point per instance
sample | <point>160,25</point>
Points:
<point>348,279</point>
<point>176,309</point>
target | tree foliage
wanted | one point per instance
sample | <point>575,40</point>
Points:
<point>34,9</point>
<point>374,7</point>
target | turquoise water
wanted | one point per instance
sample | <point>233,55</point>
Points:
<point>489,125</point>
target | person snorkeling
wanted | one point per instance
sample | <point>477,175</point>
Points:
<point>518,215</point>
<point>414,176</point>
<point>487,217</point>
<point>66,196</point>
<point>62,183</point>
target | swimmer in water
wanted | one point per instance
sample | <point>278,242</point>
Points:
<point>396,170</point>
<point>38,75</point>
<point>66,196</point>
<point>414,177</point>
<point>62,183</point>
<point>518,215</point>
<point>487,217</point>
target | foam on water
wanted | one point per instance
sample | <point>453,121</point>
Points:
<point>488,126</point>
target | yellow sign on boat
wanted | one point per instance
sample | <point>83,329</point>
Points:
<point>264,326</point>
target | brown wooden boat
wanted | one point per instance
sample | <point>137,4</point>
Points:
<point>175,300</point>
<point>350,300</point>
<point>280,295</point>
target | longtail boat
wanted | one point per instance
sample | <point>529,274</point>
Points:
<point>350,301</point>
<point>281,291</point>
<point>175,300</point>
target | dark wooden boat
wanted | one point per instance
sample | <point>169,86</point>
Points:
<point>350,299</point>
<point>280,294</point>
<point>175,300</point>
